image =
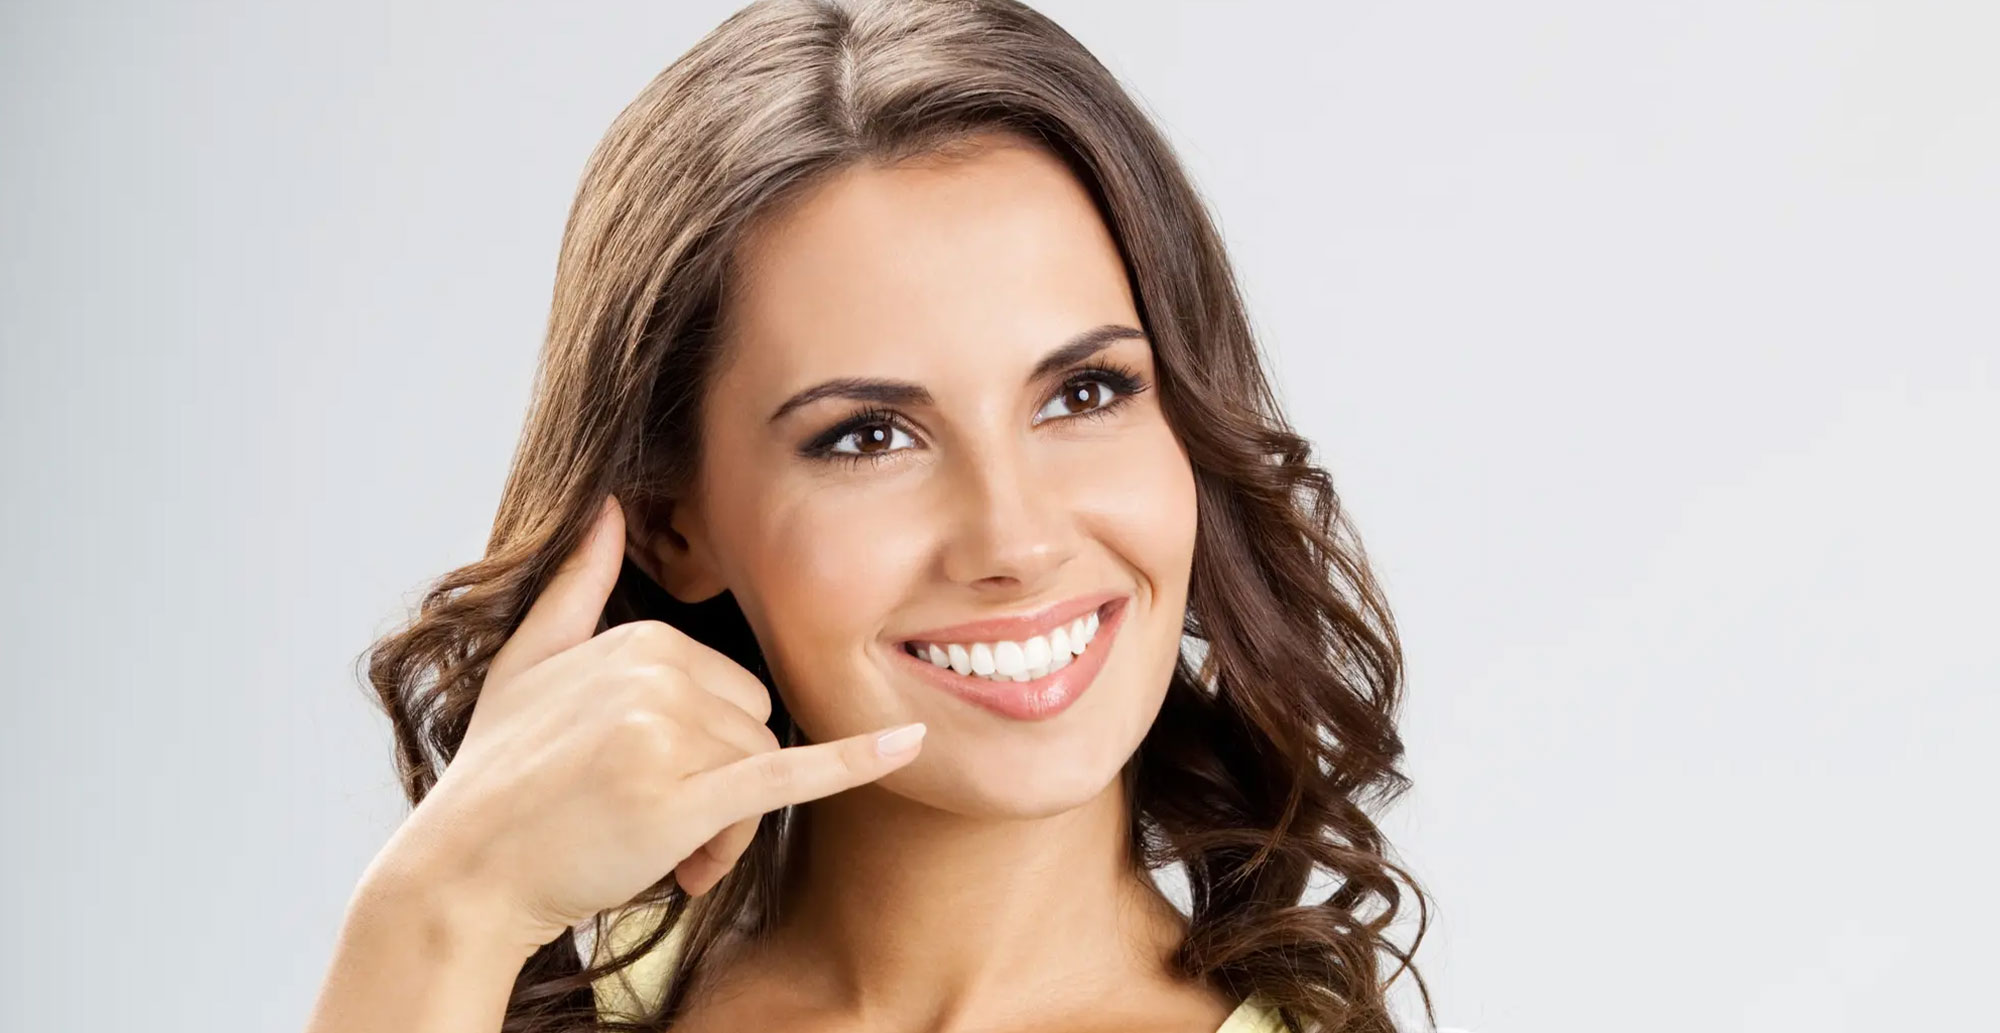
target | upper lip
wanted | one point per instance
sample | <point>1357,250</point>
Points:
<point>1017,628</point>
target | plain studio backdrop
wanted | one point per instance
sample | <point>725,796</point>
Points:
<point>1651,347</point>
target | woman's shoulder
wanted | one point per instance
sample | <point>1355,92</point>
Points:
<point>636,990</point>
<point>1252,1016</point>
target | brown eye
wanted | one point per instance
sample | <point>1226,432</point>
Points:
<point>1086,395</point>
<point>876,437</point>
<point>869,435</point>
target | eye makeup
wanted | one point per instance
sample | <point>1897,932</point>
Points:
<point>1124,382</point>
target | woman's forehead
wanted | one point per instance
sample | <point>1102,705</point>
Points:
<point>993,256</point>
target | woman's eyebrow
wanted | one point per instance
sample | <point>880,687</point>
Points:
<point>904,392</point>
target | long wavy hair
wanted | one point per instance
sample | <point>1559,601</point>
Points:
<point>1279,728</point>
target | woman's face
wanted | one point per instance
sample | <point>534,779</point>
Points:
<point>979,488</point>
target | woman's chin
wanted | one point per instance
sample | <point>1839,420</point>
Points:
<point>986,785</point>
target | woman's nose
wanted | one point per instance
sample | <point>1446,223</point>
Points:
<point>1011,523</point>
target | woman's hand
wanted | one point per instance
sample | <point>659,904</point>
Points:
<point>595,764</point>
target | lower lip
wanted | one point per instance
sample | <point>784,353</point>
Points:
<point>1033,700</point>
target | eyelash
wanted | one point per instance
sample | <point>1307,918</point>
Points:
<point>1126,382</point>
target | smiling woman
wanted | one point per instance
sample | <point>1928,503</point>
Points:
<point>918,373</point>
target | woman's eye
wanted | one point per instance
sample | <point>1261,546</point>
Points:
<point>870,439</point>
<point>1082,396</point>
<point>872,433</point>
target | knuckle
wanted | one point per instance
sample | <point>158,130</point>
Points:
<point>648,638</point>
<point>774,773</point>
<point>654,675</point>
<point>752,735</point>
<point>641,730</point>
<point>624,635</point>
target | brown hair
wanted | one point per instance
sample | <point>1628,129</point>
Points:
<point>1270,741</point>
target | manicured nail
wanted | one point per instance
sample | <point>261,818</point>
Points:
<point>899,740</point>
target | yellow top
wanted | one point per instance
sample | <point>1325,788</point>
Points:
<point>633,992</point>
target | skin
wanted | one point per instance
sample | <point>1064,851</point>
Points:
<point>997,890</point>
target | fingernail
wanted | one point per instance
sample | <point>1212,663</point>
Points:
<point>899,740</point>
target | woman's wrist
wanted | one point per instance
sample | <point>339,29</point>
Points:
<point>440,908</point>
<point>417,954</point>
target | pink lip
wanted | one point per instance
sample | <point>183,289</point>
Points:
<point>1035,699</point>
<point>1015,629</point>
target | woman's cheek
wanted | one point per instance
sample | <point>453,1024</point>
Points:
<point>828,576</point>
<point>1142,498</point>
<point>844,559</point>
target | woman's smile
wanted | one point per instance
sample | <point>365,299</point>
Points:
<point>1031,677</point>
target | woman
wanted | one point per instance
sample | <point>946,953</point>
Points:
<point>904,558</point>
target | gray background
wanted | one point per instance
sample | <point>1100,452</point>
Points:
<point>1651,346</point>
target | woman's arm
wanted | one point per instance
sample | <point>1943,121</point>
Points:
<point>418,955</point>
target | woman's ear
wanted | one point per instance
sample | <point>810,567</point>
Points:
<point>673,550</point>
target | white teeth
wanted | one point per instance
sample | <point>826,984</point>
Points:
<point>1014,661</point>
<point>1008,659</point>
<point>1037,653</point>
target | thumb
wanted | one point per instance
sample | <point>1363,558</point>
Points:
<point>568,608</point>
